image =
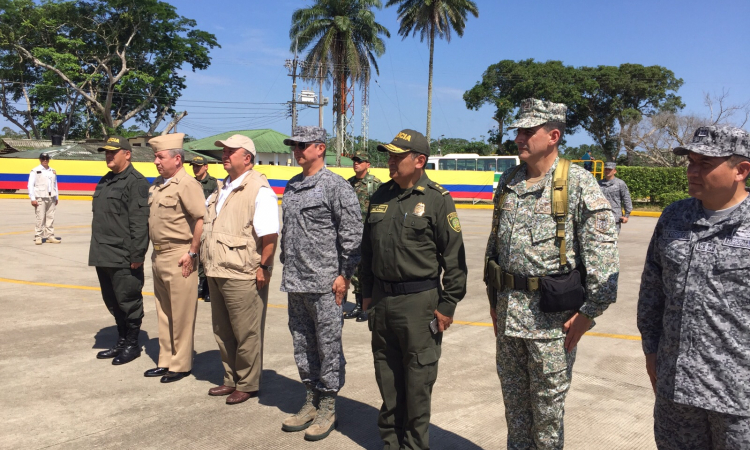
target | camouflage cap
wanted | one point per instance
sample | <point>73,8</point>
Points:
<point>535,112</point>
<point>610,165</point>
<point>361,155</point>
<point>407,141</point>
<point>717,141</point>
<point>115,143</point>
<point>198,161</point>
<point>307,134</point>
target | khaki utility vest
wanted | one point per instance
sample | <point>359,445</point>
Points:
<point>229,246</point>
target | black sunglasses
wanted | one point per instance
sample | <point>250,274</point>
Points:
<point>301,145</point>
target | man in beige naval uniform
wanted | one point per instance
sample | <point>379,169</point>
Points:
<point>240,231</point>
<point>43,194</point>
<point>175,224</point>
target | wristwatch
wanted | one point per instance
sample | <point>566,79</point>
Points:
<point>192,255</point>
<point>267,268</point>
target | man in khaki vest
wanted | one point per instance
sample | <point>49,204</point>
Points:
<point>175,224</point>
<point>240,231</point>
<point>43,194</point>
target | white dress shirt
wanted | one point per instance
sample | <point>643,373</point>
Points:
<point>266,217</point>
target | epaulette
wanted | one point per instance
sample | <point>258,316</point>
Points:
<point>438,188</point>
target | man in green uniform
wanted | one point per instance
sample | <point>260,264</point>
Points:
<point>411,236</point>
<point>119,240</point>
<point>364,184</point>
<point>208,183</point>
<point>538,234</point>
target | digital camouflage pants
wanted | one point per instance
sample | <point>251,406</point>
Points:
<point>316,321</point>
<point>535,375</point>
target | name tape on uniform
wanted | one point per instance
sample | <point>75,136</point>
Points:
<point>378,208</point>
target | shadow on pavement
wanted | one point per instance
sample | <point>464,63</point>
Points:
<point>207,367</point>
<point>357,420</point>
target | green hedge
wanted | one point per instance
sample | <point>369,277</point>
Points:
<point>651,182</point>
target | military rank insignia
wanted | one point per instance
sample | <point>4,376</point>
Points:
<point>453,222</point>
<point>378,208</point>
<point>419,209</point>
<point>420,188</point>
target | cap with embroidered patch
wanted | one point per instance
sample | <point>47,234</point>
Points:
<point>535,112</point>
<point>407,141</point>
<point>115,143</point>
<point>361,155</point>
<point>718,142</point>
<point>198,161</point>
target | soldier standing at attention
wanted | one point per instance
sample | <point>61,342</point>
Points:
<point>364,185</point>
<point>208,183</point>
<point>238,244</point>
<point>412,234</point>
<point>693,310</point>
<point>119,241</point>
<point>320,251</point>
<point>534,252</point>
<point>617,193</point>
<point>43,194</point>
<point>175,225</point>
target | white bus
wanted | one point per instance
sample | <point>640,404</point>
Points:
<point>473,162</point>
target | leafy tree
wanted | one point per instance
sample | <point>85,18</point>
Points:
<point>344,40</point>
<point>119,58</point>
<point>601,100</point>
<point>574,153</point>
<point>433,18</point>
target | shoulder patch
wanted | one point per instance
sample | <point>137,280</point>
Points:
<point>438,188</point>
<point>454,222</point>
<point>143,190</point>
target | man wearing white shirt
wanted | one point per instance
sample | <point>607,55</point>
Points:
<point>43,194</point>
<point>240,232</point>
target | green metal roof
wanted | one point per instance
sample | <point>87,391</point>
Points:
<point>345,162</point>
<point>265,140</point>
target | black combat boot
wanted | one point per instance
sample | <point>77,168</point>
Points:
<point>200,287</point>
<point>112,352</point>
<point>206,294</point>
<point>132,350</point>
<point>354,313</point>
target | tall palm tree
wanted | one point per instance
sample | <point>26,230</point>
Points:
<point>344,40</point>
<point>433,18</point>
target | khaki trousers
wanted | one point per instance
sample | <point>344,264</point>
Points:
<point>238,312</point>
<point>45,218</point>
<point>176,308</point>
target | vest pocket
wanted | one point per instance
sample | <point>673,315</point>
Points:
<point>232,253</point>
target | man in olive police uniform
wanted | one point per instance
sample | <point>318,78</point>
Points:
<point>693,311</point>
<point>411,236</point>
<point>209,184</point>
<point>119,240</point>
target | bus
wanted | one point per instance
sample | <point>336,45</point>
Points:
<point>474,162</point>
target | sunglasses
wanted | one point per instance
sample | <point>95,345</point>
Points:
<point>301,145</point>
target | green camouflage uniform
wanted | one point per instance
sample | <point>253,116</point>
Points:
<point>535,370</point>
<point>364,188</point>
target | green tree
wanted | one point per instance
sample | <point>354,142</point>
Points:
<point>120,58</point>
<point>343,40</point>
<point>602,100</point>
<point>432,18</point>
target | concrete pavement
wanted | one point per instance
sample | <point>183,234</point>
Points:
<point>58,395</point>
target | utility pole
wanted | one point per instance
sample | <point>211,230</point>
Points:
<point>294,88</point>
<point>306,97</point>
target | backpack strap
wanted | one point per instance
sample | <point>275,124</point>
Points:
<point>369,179</point>
<point>560,203</point>
<point>503,193</point>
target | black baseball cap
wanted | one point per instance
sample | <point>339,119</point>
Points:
<point>407,141</point>
<point>116,143</point>
<point>44,156</point>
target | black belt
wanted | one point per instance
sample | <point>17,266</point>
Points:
<point>408,287</point>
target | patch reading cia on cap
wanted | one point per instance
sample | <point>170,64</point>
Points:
<point>453,222</point>
<point>378,208</point>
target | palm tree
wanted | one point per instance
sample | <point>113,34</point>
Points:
<point>431,18</point>
<point>344,41</point>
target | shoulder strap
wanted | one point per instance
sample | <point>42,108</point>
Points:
<point>560,203</point>
<point>370,184</point>
<point>501,200</point>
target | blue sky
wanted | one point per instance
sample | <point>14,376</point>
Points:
<point>704,43</point>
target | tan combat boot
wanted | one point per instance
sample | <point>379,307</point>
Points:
<point>325,420</point>
<point>38,241</point>
<point>53,240</point>
<point>306,414</point>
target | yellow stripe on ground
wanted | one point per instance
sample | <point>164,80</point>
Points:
<point>271,305</point>
<point>645,213</point>
<point>31,230</point>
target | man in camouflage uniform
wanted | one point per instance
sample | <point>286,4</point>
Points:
<point>617,193</point>
<point>411,237</point>
<point>322,230</point>
<point>535,349</point>
<point>693,309</point>
<point>209,184</point>
<point>364,185</point>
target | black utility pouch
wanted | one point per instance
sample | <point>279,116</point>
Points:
<point>562,292</point>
